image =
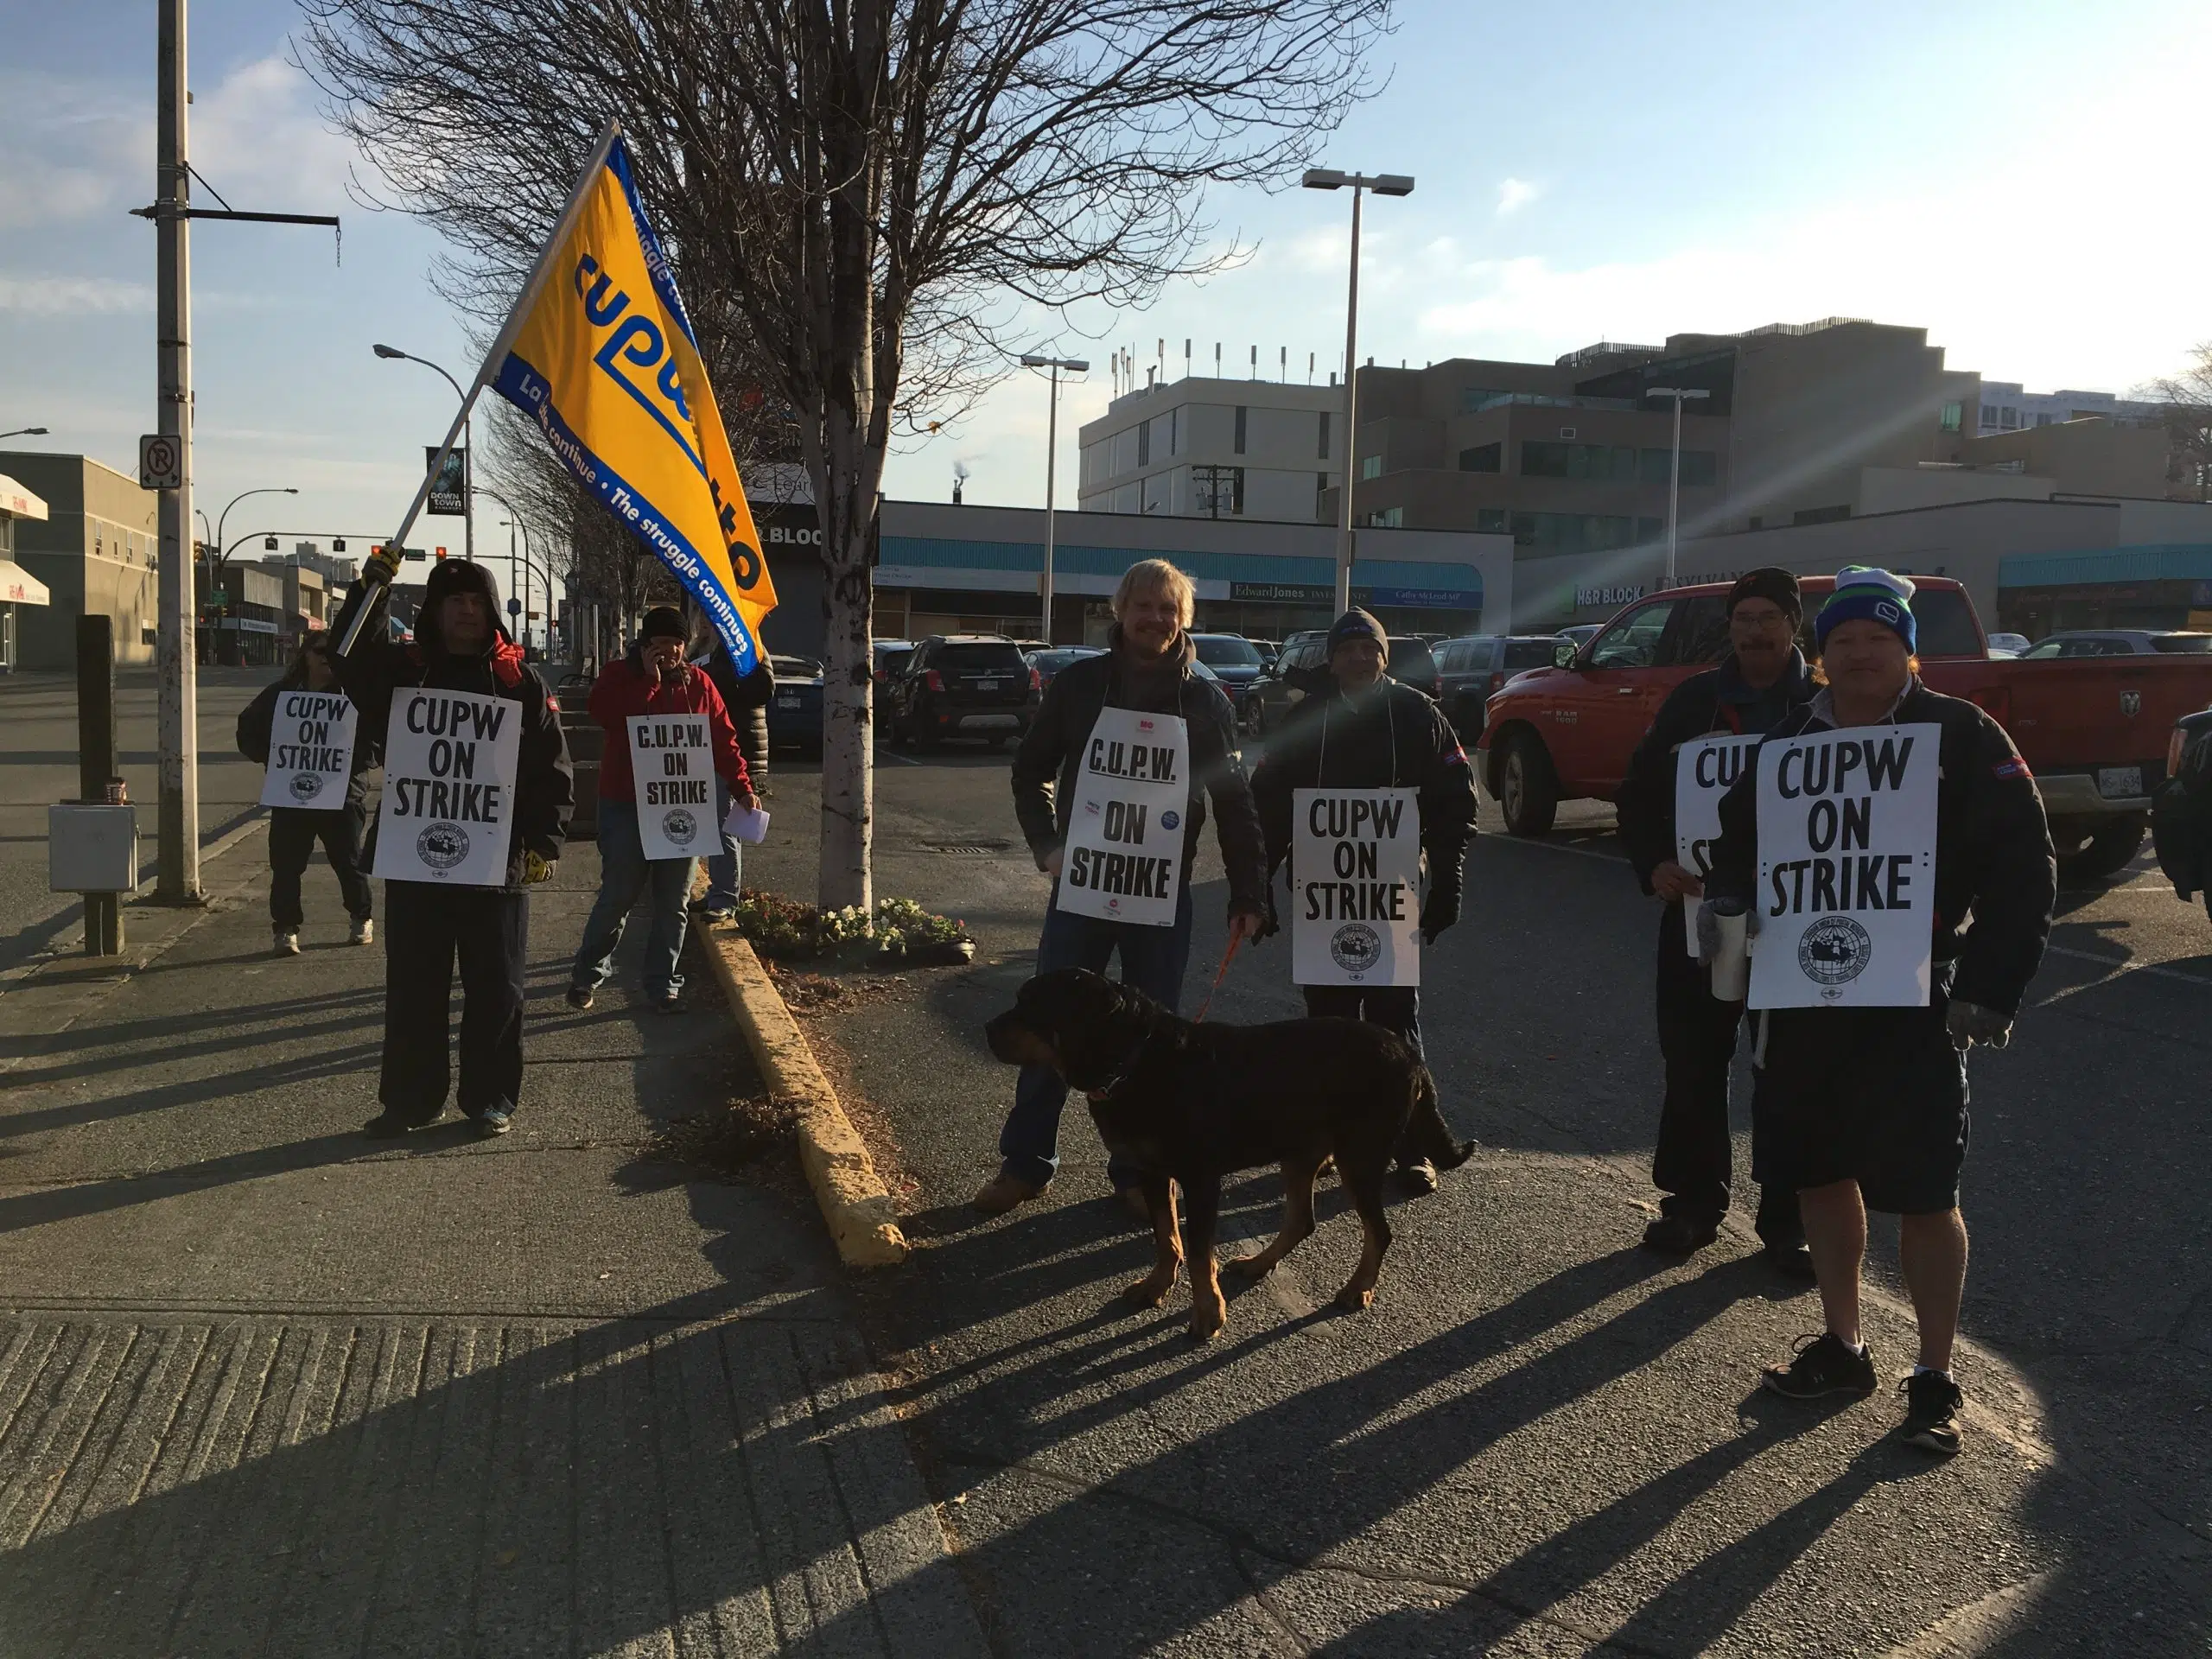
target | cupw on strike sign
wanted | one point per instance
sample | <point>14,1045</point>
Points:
<point>310,751</point>
<point>1705,768</point>
<point>1123,859</point>
<point>674,769</point>
<point>450,760</point>
<point>1355,886</point>
<point>1846,894</point>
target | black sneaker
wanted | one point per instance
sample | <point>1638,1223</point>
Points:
<point>1680,1235</point>
<point>1932,1413</point>
<point>1823,1365</point>
<point>1791,1260</point>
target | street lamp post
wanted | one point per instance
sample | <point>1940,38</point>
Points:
<point>1382,184</point>
<point>25,432</point>
<point>1680,395</point>
<point>219,555</point>
<point>521,590</point>
<point>1073,366</point>
<point>467,443</point>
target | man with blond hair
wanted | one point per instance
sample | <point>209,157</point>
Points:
<point>1144,683</point>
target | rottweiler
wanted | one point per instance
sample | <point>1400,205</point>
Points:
<point>1191,1103</point>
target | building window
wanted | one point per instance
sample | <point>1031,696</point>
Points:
<point>1322,454</point>
<point>1175,431</point>
<point>1240,429</point>
<point>1483,458</point>
<point>1550,535</point>
<point>1219,491</point>
<point>1144,443</point>
<point>1489,521</point>
<point>1474,397</point>
<point>1821,515</point>
<point>1386,519</point>
<point>1954,415</point>
<point>1320,491</point>
<point>1595,462</point>
<point>1371,467</point>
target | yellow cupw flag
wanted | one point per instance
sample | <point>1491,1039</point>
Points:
<point>602,356</point>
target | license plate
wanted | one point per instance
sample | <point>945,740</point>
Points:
<point>987,685</point>
<point>989,722</point>
<point>791,704</point>
<point>2119,780</point>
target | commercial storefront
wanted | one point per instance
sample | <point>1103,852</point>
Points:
<point>17,586</point>
<point>2168,586</point>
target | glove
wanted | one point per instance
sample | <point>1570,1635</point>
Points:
<point>1970,1023</point>
<point>1270,923</point>
<point>383,565</point>
<point>536,869</point>
<point>1441,911</point>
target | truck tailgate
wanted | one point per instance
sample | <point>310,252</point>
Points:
<point>2101,711</point>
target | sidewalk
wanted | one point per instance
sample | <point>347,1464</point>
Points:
<point>266,1386</point>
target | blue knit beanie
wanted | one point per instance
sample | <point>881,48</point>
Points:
<point>1865,594</point>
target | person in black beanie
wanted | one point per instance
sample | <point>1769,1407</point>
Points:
<point>1365,730</point>
<point>460,646</point>
<point>1762,678</point>
<point>745,696</point>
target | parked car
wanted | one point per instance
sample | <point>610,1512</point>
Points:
<point>1268,650</point>
<point>964,685</point>
<point>1413,662</point>
<point>1269,699</point>
<point>2093,731</point>
<point>1050,663</point>
<point>2008,644</point>
<point>2181,812</point>
<point>1235,663</point>
<point>795,709</point>
<point>1582,632</point>
<point>2118,642</point>
<point>887,656</point>
<point>1474,667</point>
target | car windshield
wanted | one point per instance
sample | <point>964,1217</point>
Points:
<point>1226,650</point>
<point>979,657</point>
<point>1410,659</point>
<point>1054,661</point>
<point>2182,644</point>
<point>1522,655</point>
<point>795,668</point>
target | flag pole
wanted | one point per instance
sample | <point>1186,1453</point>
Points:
<point>502,343</point>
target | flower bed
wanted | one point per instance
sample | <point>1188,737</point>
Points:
<point>899,932</point>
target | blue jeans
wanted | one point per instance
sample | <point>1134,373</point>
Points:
<point>625,875</point>
<point>726,868</point>
<point>1153,960</point>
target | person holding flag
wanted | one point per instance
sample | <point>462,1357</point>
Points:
<point>1368,732</point>
<point>1762,678</point>
<point>1869,1103</point>
<point>650,684</point>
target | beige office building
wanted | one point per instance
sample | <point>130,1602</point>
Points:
<point>96,552</point>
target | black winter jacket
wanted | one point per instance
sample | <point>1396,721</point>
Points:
<point>745,696</point>
<point>545,787</point>
<point>253,730</point>
<point>1993,848</point>
<point>1044,767</point>
<point>1394,737</point>
<point>1715,701</point>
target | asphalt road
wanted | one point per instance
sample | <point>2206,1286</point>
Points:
<point>1544,1441</point>
<point>38,767</point>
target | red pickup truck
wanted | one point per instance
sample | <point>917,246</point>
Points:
<point>2092,728</point>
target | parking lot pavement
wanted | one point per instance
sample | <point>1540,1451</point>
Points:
<point>269,1387</point>
<point>1544,1441</point>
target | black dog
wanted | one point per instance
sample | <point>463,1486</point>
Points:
<point>1192,1103</point>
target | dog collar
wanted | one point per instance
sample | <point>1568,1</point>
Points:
<point>1105,1090</point>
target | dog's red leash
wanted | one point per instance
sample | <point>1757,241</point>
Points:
<point>1219,974</point>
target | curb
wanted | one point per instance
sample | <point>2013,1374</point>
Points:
<point>853,1198</point>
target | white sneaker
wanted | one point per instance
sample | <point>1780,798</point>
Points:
<point>287,941</point>
<point>365,932</point>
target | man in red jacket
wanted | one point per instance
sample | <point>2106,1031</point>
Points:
<point>653,679</point>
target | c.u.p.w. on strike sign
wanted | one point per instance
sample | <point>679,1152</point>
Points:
<point>1846,894</point>
<point>1123,859</point>
<point>674,769</point>
<point>310,751</point>
<point>450,758</point>
<point>1705,768</point>
<point>1355,886</point>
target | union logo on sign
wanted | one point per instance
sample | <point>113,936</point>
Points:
<point>441,845</point>
<point>305,786</point>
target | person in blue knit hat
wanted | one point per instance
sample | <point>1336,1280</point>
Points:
<point>1869,1104</point>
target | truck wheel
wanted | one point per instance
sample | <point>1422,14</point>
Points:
<point>2090,849</point>
<point>1527,789</point>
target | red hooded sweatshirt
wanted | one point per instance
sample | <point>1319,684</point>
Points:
<point>626,687</point>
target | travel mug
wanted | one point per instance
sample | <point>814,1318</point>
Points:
<point>1731,964</point>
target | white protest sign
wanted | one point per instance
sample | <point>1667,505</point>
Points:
<point>673,767</point>
<point>310,750</point>
<point>1123,859</point>
<point>1846,894</point>
<point>450,760</point>
<point>1705,768</point>
<point>1355,886</point>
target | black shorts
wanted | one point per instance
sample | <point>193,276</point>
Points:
<point>1875,1095</point>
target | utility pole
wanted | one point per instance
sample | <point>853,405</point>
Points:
<point>1074,366</point>
<point>1680,395</point>
<point>178,702</point>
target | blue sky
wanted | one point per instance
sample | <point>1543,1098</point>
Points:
<point>2016,177</point>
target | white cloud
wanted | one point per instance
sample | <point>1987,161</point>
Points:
<point>1514,194</point>
<point>62,297</point>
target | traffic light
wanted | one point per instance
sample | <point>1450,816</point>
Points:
<point>441,552</point>
<point>269,544</point>
<point>338,544</point>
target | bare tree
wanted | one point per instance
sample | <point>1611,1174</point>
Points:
<point>862,196</point>
<point>2187,398</point>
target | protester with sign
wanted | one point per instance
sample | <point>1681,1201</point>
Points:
<point>303,729</point>
<point>456,843</point>
<point>670,752</point>
<point>746,697</point>
<point>1669,808</point>
<point>1110,787</point>
<point>1869,1103</point>
<point>1336,785</point>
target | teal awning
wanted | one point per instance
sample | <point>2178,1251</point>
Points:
<point>2162,562</point>
<point>930,552</point>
